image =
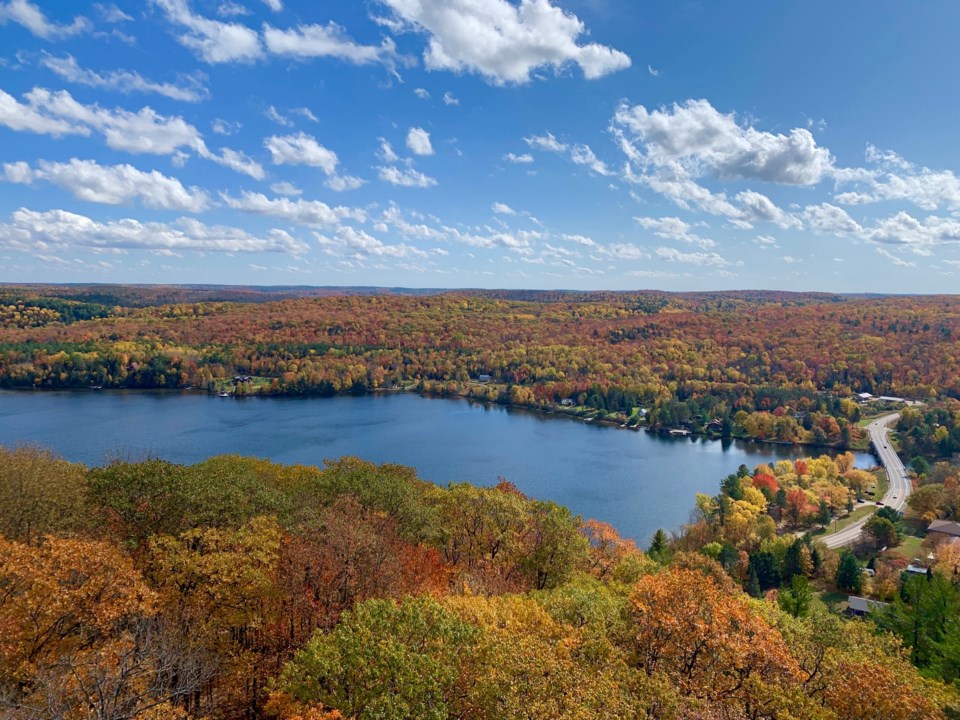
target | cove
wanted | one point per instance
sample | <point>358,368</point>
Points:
<point>636,481</point>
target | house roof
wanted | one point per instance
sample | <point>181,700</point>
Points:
<point>947,527</point>
<point>864,395</point>
<point>863,605</point>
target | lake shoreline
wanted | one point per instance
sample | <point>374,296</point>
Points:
<point>544,412</point>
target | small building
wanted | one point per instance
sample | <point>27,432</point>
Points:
<point>944,529</point>
<point>566,402</point>
<point>864,397</point>
<point>483,378</point>
<point>888,398</point>
<point>861,607</point>
<point>916,569</point>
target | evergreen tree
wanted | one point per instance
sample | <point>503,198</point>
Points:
<point>849,577</point>
<point>753,583</point>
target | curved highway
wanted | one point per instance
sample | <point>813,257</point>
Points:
<point>899,481</point>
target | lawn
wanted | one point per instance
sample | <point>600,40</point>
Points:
<point>910,548</point>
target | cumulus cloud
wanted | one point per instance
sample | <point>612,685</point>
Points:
<point>501,41</point>
<point>502,209</point>
<point>524,159</point>
<point>583,155</point>
<point>62,231</point>
<point>312,213</point>
<point>904,229</point>
<point>301,149</point>
<point>405,177</point>
<point>895,178</point>
<point>418,140</point>
<point>214,41</point>
<point>673,228</point>
<point>142,132</point>
<point>359,244</point>
<point>449,99</point>
<point>188,88</point>
<point>422,93</point>
<point>286,188</point>
<point>827,219</point>
<point>25,13</point>
<point>340,183</point>
<point>330,40</point>
<point>694,258</point>
<point>111,185</point>
<point>546,142</point>
<point>699,138</point>
<point>755,207</point>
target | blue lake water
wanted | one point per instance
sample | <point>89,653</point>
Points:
<point>636,481</point>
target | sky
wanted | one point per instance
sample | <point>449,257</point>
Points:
<point>574,144</point>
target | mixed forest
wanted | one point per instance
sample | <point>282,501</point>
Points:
<point>772,366</point>
<point>238,589</point>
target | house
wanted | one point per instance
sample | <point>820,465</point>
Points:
<point>566,402</point>
<point>483,378</point>
<point>888,398</point>
<point>861,607</point>
<point>916,569</point>
<point>944,529</point>
<point>864,397</point>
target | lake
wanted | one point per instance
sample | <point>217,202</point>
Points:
<point>634,480</point>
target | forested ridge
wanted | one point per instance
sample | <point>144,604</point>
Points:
<point>239,588</point>
<point>768,365</point>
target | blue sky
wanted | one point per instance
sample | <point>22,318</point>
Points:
<point>592,144</point>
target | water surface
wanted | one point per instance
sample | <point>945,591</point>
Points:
<point>636,481</point>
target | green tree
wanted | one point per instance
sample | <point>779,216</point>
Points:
<point>849,577</point>
<point>796,599</point>
<point>386,661</point>
<point>883,532</point>
<point>659,545</point>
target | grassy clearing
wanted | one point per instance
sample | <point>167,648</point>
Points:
<point>910,548</point>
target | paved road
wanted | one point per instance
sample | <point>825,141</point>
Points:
<point>899,487</point>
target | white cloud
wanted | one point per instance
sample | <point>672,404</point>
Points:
<point>212,40</point>
<point>546,142</point>
<point>27,118</point>
<point>897,179</point>
<point>339,183</point>
<point>501,41</point>
<point>386,152</point>
<point>223,127</point>
<point>421,93</point>
<point>766,241</point>
<point>502,209</point>
<point>694,258</point>
<point>286,188</point>
<point>673,228</point>
<point>828,219</point>
<point>579,240</point>
<point>756,207</point>
<point>330,40</point>
<point>305,112</point>
<point>62,231</point>
<point>188,88</point>
<point>273,114</point>
<point>303,212</point>
<point>235,160</point>
<point>653,71</point>
<point>696,138</point>
<point>232,9</point>
<point>624,251</point>
<point>359,244</point>
<point>449,99</point>
<point>524,159</point>
<point>918,235</point>
<point>583,155</point>
<point>790,260</point>
<point>301,149</point>
<point>899,262</point>
<point>112,185</point>
<point>32,18</point>
<point>275,5</point>
<point>418,140</point>
<point>407,177</point>
<point>112,14</point>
